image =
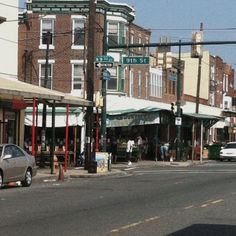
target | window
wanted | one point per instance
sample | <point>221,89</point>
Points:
<point>113,33</point>
<point>47,26</point>
<point>78,80</point>
<point>46,83</point>
<point>112,83</point>
<point>147,48</point>
<point>131,83</point>
<point>139,83</point>
<point>17,152</point>
<point>78,32</point>
<point>131,42</point>
<point>140,42</point>
<point>212,99</point>
<point>146,85</point>
<point>155,84</point>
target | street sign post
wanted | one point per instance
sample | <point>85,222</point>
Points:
<point>104,64</point>
<point>104,61</point>
<point>106,75</point>
<point>132,60</point>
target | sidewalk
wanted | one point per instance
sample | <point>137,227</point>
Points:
<point>44,174</point>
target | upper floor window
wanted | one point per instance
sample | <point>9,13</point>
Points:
<point>78,38</point>
<point>139,83</point>
<point>131,83</point>
<point>45,79</point>
<point>147,48</point>
<point>47,32</point>
<point>131,42</point>
<point>77,80</point>
<point>113,82</point>
<point>140,42</point>
<point>117,32</point>
<point>146,85</point>
<point>113,33</point>
<point>155,85</point>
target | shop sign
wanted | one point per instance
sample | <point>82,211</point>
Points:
<point>18,104</point>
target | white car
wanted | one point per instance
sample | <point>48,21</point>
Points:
<point>228,152</point>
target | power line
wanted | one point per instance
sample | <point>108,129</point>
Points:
<point>7,5</point>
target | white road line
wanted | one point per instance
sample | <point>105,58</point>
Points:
<point>134,224</point>
<point>217,201</point>
<point>188,207</point>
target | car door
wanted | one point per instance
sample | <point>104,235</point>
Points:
<point>8,164</point>
<point>21,162</point>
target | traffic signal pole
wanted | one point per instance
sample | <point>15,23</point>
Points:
<point>104,90</point>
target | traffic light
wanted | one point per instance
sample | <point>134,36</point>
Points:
<point>172,107</point>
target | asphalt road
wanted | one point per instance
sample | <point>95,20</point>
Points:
<point>197,200</point>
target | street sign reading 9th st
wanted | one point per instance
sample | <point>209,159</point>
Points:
<point>132,60</point>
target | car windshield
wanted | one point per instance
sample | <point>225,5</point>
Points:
<point>230,145</point>
<point>0,150</point>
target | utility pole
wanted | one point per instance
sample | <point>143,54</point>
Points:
<point>178,128</point>
<point>199,74</point>
<point>104,89</point>
<point>89,152</point>
<point>44,115</point>
<point>199,55</point>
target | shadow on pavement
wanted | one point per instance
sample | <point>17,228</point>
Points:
<point>206,229</point>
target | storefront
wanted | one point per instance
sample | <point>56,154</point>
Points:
<point>11,117</point>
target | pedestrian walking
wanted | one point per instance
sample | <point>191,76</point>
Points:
<point>140,147</point>
<point>129,150</point>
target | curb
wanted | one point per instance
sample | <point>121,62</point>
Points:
<point>55,177</point>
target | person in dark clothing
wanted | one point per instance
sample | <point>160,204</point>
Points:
<point>113,149</point>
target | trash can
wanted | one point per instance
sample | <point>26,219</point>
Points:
<point>214,151</point>
<point>92,167</point>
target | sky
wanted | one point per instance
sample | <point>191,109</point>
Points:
<point>178,19</point>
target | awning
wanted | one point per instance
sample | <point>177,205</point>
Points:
<point>132,119</point>
<point>208,120</point>
<point>15,88</point>
<point>75,117</point>
<point>126,111</point>
<point>221,124</point>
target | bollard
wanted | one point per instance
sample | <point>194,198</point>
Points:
<point>109,162</point>
<point>61,173</point>
<point>55,164</point>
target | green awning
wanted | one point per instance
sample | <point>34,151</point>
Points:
<point>133,119</point>
<point>208,120</point>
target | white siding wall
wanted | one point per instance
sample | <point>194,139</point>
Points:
<point>9,39</point>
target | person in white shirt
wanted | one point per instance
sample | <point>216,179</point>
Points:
<point>129,150</point>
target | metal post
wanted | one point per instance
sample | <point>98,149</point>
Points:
<point>33,128</point>
<point>178,128</point>
<point>104,93</point>
<point>66,138</point>
<point>201,149</point>
<point>52,146</point>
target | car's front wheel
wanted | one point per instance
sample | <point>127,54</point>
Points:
<point>28,179</point>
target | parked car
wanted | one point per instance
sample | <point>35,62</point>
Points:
<point>228,152</point>
<point>16,165</point>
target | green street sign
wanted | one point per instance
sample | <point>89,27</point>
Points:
<point>104,59</point>
<point>132,60</point>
